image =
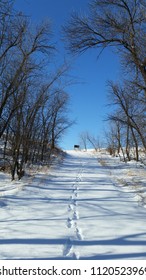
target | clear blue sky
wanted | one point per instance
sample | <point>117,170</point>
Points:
<point>88,98</point>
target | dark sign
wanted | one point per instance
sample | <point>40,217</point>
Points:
<point>76,146</point>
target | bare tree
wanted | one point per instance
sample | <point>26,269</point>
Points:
<point>20,44</point>
<point>59,119</point>
<point>133,113</point>
<point>111,23</point>
<point>121,25</point>
<point>94,141</point>
<point>33,104</point>
<point>88,140</point>
<point>111,139</point>
<point>83,139</point>
<point>129,114</point>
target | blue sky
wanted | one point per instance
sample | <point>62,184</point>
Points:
<point>88,98</point>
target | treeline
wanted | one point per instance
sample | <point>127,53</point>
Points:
<point>33,102</point>
<point>121,25</point>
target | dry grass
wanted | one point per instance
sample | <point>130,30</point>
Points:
<point>102,162</point>
<point>130,173</point>
<point>140,173</point>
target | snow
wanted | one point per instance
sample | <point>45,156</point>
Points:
<point>89,206</point>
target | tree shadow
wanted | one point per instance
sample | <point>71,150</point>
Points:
<point>126,240</point>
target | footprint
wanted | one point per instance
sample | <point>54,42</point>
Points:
<point>75,215</point>
<point>69,222</point>
<point>74,202</point>
<point>79,234</point>
<point>70,207</point>
<point>75,256</point>
<point>3,203</point>
<point>78,179</point>
<point>67,248</point>
<point>75,192</point>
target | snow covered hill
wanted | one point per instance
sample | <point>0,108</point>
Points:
<point>90,206</point>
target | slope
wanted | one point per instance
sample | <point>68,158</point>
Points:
<point>76,210</point>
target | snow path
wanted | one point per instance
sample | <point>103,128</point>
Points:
<point>74,212</point>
